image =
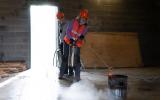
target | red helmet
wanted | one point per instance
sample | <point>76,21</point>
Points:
<point>60,15</point>
<point>84,13</point>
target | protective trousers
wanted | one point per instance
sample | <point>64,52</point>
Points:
<point>64,65</point>
<point>76,66</point>
<point>74,60</point>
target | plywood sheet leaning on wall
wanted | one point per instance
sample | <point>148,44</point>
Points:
<point>116,49</point>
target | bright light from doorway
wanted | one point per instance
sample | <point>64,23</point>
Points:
<point>43,37</point>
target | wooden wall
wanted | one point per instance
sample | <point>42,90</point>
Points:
<point>138,16</point>
<point>150,37</point>
<point>111,15</point>
<point>14,31</point>
<point>111,49</point>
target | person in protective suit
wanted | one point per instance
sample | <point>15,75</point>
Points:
<point>62,26</point>
<point>76,30</point>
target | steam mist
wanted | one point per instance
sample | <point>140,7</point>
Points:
<point>83,90</point>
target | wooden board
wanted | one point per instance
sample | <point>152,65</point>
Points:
<point>116,49</point>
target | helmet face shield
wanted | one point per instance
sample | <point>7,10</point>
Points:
<point>82,21</point>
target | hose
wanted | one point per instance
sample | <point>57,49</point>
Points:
<point>55,53</point>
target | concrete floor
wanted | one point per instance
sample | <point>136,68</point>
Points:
<point>143,84</point>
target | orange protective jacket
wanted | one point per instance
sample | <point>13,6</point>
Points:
<point>74,31</point>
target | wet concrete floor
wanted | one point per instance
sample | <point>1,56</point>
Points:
<point>143,84</point>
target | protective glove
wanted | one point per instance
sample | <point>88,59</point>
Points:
<point>71,41</point>
<point>81,37</point>
<point>60,30</point>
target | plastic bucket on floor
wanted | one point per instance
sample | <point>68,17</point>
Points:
<point>118,86</point>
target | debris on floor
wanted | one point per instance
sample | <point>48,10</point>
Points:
<point>10,67</point>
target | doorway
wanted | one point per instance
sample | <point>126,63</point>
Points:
<point>43,37</point>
